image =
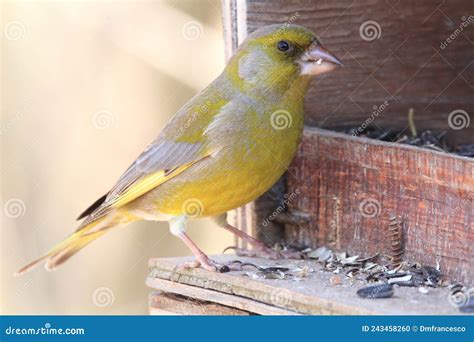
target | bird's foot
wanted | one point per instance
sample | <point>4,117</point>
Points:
<point>265,252</point>
<point>210,265</point>
<point>202,260</point>
<point>259,248</point>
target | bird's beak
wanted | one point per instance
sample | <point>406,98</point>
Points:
<point>317,60</point>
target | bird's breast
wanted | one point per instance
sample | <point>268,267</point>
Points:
<point>246,165</point>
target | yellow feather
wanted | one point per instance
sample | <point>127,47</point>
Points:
<point>148,183</point>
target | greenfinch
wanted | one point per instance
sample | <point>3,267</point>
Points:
<point>221,150</point>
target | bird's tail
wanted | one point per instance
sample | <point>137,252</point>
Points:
<point>74,243</point>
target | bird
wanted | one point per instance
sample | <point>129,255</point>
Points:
<point>224,148</point>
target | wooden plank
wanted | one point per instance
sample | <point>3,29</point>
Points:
<point>163,303</point>
<point>312,294</point>
<point>341,179</point>
<point>405,65</point>
<point>409,65</point>
<point>228,300</point>
<point>234,24</point>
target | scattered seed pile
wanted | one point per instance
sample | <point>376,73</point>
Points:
<point>426,139</point>
<point>377,271</point>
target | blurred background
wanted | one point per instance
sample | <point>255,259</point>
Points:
<point>86,85</point>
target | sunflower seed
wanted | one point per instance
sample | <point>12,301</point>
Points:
<point>402,281</point>
<point>376,291</point>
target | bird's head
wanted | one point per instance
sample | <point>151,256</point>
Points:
<point>278,54</point>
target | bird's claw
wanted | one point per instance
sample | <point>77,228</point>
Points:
<point>211,265</point>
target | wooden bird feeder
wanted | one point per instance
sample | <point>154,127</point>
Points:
<point>344,191</point>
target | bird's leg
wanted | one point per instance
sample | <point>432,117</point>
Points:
<point>259,248</point>
<point>178,228</point>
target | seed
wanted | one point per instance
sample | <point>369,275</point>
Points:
<point>335,280</point>
<point>376,291</point>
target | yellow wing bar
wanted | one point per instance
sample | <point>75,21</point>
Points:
<point>147,183</point>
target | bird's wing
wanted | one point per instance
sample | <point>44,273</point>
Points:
<point>159,162</point>
<point>181,144</point>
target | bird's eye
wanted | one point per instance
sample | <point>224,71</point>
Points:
<point>283,45</point>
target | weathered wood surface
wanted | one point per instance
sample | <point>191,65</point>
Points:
<point>165,303</point>
<point>312,294</point>
<point>408,65</point>
<point>204,294</point>
<point>350,187</point>
<point>405,65</point>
